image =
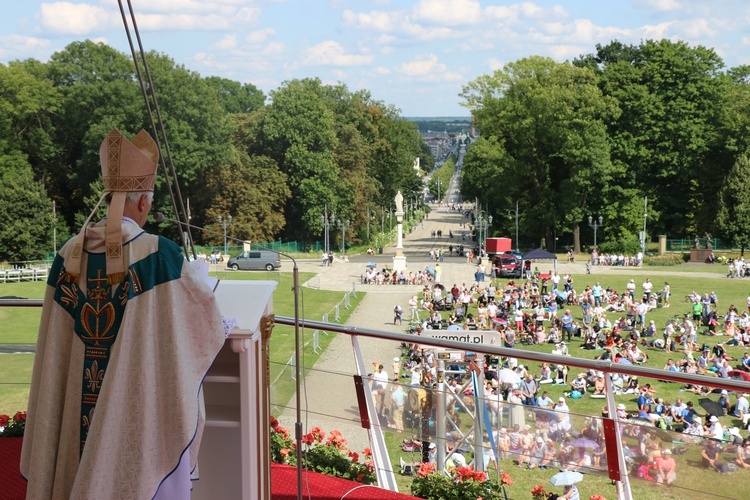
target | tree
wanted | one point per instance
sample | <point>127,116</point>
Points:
<point>733,217</point>
<point>670,95</point>
<point>236,97</point>
<point>25,212</point>
<point>551,120</point>
<point>254,191</point>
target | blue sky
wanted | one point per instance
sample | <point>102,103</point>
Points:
<point>413,54</point>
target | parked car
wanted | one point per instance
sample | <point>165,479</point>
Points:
<point>251,260</point>
<point>510,265</point>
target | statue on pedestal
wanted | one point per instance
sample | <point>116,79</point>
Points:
<point>399,202</point>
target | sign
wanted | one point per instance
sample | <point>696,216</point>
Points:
<point>475,337</point>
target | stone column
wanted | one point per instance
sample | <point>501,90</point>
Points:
<point>399,261</point>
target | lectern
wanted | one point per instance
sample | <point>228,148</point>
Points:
<point>234,459</point>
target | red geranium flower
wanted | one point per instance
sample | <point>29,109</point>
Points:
<point>367,452</point>
<point>480,476</point>
<point>426,469</point>
<point>354,456</point>
<point>4,419</point>
<point>360,478</point>
<point>505,478</point>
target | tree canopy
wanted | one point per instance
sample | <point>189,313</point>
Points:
<point>264,163</point>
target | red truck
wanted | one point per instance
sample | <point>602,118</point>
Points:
<point>496,246</point>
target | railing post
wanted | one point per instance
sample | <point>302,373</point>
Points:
<point>623,485</point>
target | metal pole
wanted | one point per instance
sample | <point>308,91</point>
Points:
<point>517,226</point>
<point>440,424</point>
<point>645,215</point>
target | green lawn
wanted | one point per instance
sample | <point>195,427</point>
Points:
<point>19,325</point>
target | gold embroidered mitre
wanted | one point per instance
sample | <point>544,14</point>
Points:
<point>127,166</point>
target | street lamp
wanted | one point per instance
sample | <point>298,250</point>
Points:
<point>326,221</point>
<point>225,222</point>
<point>595,223</point>
<point>343,225</point>
<point>515,213</point>
<point>439,185</point>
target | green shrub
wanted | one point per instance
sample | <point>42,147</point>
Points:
<point>629,246</point>
<point>673,259</point>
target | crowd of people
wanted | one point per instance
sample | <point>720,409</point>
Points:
<point>547,309</point>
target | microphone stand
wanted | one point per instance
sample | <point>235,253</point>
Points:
<point>159,217</point>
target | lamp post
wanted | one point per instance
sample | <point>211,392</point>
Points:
<point>487,224</point>
<point>225,222</point>
<point>595,223</point>
<point>326,221</point>
<point>343,224</point>
<point>515,214</point>
<point>439,185</point>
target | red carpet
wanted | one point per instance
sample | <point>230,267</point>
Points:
<point>283,481</point>
<point>12,485</point>
<point>321,487</point>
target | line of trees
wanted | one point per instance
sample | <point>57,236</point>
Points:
<point>272,165</point>
<point>596,135</point>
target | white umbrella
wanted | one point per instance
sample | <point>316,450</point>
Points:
<point>566,478</point>
<point>507,376</point>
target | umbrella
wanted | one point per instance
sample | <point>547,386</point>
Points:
<point>438,285</point>
<point>739,374</point>
<point>711,407</point>
<point>506,376</point>
<point>584,443</point>
<point>566,478</point>
<point>500,321</point>
<point>371,265</point>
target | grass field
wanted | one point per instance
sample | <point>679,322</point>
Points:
<point>692,478</point>
<point>19,326</point>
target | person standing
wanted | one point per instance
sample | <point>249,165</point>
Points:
<point>413,308</point>
<point>127,334</point>
<point>398,311</point>
<point>398,398</point>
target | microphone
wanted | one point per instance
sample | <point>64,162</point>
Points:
<point>160,217</point>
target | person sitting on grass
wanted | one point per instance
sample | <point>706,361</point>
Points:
<point>600,388</point>
<point>666,468</point>
<point>579,383</point>
<point>710,455</point>
<point>743,454</point>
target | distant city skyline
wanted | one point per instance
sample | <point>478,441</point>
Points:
<point>412,54</point>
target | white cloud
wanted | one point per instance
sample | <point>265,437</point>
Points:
<point>260,35</point>
<point>659,5</point>
<point>495,64</point>
<point>66,18</point>
<point>428,69</point>
<point>655,31</point>
<point>448,12</point>
<point>381,70</point>
<point>75,19</point>
<point>330,53</point>
<point>695,28</point>
<point>22,47</point>
<point>373,21</point>
<point>227,43</point>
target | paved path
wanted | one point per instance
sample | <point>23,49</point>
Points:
<point>329,392</point>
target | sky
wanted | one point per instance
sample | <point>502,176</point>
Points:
<point>413,54</point>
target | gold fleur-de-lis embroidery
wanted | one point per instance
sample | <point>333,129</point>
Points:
<point>70,296</point>
<point>95,376</point>
<point>87,419</point>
